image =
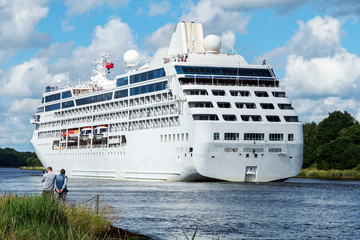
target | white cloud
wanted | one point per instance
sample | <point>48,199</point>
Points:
<point>318,109</point>
<point>215,18</point>
<point>159,8</point>
<point>18,20</point>
<point>28,79</point>
<point>227,41</point>
<point>66,27</point>
<point>161,37</point>
<point>75,7</point>
<point>24,105</point>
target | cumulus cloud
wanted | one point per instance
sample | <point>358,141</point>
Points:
<point>159,8</point>
<point>18,20</point>
<point>227,40</point>
<point>315,62</point>
<point>24,105</point>
<point>318,109</point>
<point>161,37</point>
<point>216,19</point>
<point>75,7</point>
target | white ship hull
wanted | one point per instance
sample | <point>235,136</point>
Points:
<point>195,117</point>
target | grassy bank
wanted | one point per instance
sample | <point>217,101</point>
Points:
<point>32,168</point>
<point>40,217</point>
<point>313,172</point>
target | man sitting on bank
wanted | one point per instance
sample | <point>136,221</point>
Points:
<point>61,185</point>
<point>49,181</point>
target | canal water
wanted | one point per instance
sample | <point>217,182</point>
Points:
<point>294,209</point>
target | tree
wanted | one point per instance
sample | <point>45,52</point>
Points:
<point>329,128</point>
<point>310,144</point>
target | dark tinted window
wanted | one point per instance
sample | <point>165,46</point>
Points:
<point>122,81</point>
<point>261,94</point>
<point>195,92</point>
<point>148,88</point>
<point>218,92</point>
<point>224,105</point>
<point>52,107</point>
<point>245,105</point>
<point>94,99</point>
<point>67,104</point>
<point>285,106</point>
<point>291,118</point>
<point>240,93</point>
<point>200,105</point>
<point>205,117</point>
<point>279,94</point>
<point>53,97</point>
<point>66,94</point>
<point>121,93</point>
<point>147,75</point>
<point>267,106</point>
<point>40,109</point>
<point>229,117</point>
<point>223,71</point>
<point>273,118</point>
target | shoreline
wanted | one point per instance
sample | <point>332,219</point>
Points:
<point>32,168</point>
<point>348,174</point>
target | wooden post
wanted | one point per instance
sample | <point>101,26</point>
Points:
<point>97,203</point>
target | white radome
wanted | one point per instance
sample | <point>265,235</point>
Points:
<point>212,44</point>
<point>131,58</point>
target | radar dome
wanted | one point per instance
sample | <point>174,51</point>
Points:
<point>131,58</point>
<point>212,44</point>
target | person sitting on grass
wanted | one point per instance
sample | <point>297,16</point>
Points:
<point>61,185</point>
<point>48,180</point>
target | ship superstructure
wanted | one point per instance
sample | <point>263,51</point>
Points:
<point>197,115</point>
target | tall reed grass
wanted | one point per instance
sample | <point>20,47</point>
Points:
<point>43,217</point>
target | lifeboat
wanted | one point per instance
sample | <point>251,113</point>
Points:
<point>86,133</point>
<point>101,132</point>
<point>73,133</point>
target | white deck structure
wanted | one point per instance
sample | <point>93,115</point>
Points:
<point>198,115</point>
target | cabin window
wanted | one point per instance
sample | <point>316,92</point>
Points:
<point>254,136</point>
<point>254,118</point>
<point>224,105</point>
<point>291,118</point>
<point>261,94</point>
<point>276,137</point>
<point>231,136</point>
<point>218,92</point>
<point>40,109</point>
<point>228,117</point>
<point>279,94</point>
<point>285,106</point>
<point>240,93</point>
<point>223,71</point>
<point>216,136</point>
<point>200,105</point>
<point>195,92</point>
<point>290,137</point>
<point>273,118</point>
<point>205,117</point>
<point>267,106</point>
<point>245,105</point>
<point>275,150</point>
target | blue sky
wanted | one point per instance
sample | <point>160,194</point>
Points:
<point>313,46</point>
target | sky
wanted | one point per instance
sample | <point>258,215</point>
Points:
<point>313,46</point>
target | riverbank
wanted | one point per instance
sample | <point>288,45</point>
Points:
<point>40,217</point>
<point>329,174</point>
<point>32,168</point>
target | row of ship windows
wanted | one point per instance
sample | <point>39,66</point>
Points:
<point>246,118</point>
<point>248,105</point>
<point>235,93</point>
<point>223,71</point>
<point>253,136</point>
<point>105,97</point>
<point>174,137</point>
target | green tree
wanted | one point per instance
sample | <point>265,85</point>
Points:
<point>310,144</point>
<point>340,153</point>
<point>329,128</point>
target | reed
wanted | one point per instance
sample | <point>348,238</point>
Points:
<point>32,168</point>
<point>312,172</point>
<point>41,217</point>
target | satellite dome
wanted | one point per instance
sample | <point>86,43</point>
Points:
<point>212,44</point>
<point>131,58</point>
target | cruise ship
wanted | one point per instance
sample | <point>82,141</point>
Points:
<point>196,115</point>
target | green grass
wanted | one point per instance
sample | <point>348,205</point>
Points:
<point>32,168</point>
<point>313,172</point>
<point>40,217</point>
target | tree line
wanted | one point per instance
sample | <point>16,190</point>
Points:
<point>11,158</point>
<point>334,143</point>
